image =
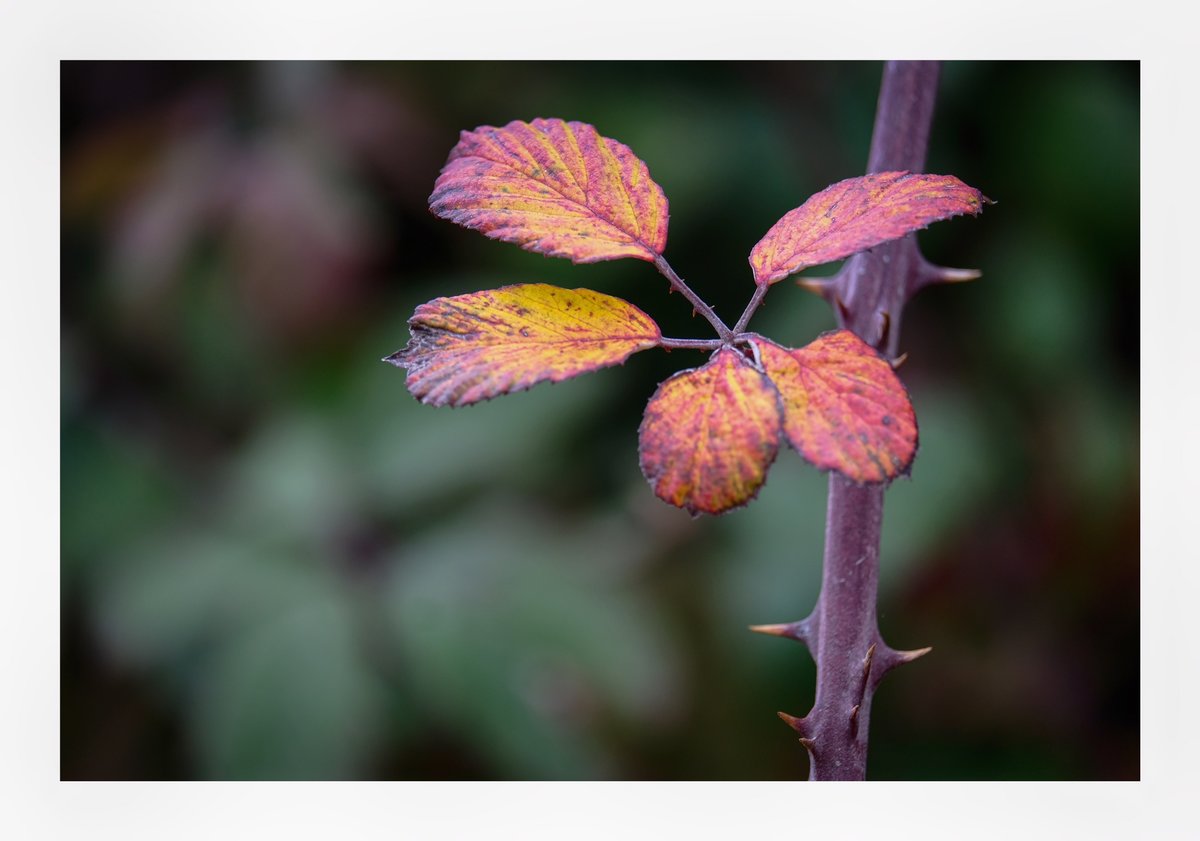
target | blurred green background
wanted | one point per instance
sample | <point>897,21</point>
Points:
<point>277,564</point>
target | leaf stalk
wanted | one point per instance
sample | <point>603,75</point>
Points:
<point>692,344</point>
<point>678,284</point>
<point>760,292</point>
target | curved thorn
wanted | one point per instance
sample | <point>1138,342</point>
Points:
<point>889,659</point>
<point>804,631</point>
<point>913,654</point>
<point>898,361</point>
<point>784,629</point>
<point>854,720</point>
<point>928,274</point>
<point>957,275</point>
<point>819,286</point>
<point>791,630</point>
<point>800,725</point>
<point>809,745</point>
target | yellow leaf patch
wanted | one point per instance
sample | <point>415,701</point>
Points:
<point>474,347</point>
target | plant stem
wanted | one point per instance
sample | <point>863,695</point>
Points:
<point>692,344</point>
<point>698,305</point>
<point>869,293</point>
<point>760,292</point>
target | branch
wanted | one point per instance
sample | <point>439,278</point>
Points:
<point>868,295</point>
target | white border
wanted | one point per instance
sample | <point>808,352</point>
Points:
<point>36,36</point>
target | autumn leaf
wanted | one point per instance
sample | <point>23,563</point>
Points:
<point>474,347</point>
<point>857,214</point>
<point>554,187</point>
<point>844,407</point>
<point>710,433</point>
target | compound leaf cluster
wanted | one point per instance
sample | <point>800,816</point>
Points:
<point>709,433</point>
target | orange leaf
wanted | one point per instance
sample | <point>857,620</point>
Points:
<point>477,346</point>
<point>554,187</point>
<point>844,407</point>
<point>710,433</point>
<point>857,214</point>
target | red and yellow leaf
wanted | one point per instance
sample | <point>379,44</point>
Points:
<point>473,347</point>
<point>857,214</point>
<point>844,407</point>
<point>710,433</point>
<point>554,187</point>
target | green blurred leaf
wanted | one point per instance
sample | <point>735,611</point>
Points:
<point>773,569</point>
<point>261,646</point>
<point>114,488</point>
<point>293,480</point>
<point>1086,145</point>
<point>179,594</point>
<point>515,644</point>
<point>950,478</point>
<point>407,453</point>
<point>1038,313</point>
<point>1094,452</point>
<point>290,698</point>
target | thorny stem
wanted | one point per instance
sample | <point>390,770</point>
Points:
<point>868,294</point>
<point>698,305</point>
